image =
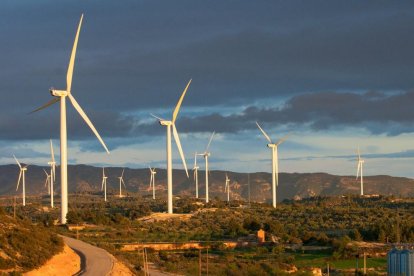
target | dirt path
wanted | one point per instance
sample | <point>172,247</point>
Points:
<point>64,263</point>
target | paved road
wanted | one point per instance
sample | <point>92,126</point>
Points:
<point>94,260</point>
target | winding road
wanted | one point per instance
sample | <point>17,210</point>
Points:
<point>94,260</point>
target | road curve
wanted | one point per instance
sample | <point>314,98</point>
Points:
<point>94,260</point>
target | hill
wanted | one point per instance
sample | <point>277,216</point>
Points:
<point>24,246</point>
<point>83,178</point>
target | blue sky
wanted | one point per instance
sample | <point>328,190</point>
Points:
<point>336,74</point>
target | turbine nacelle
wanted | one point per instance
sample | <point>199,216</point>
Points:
<point>165,123</point>
<point>271,145</point>
<point>58,93</point>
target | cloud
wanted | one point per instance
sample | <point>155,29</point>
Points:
<point>376,112</point>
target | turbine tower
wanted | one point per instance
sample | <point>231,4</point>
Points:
<point>275,165</point>
<point>206,154</point>
<point>121,181</point>
<point>152,181</point>
<point>22,175</point>
<point>170,124</point>
<point>227,188</point>
<point>52,165</point>
<point>195,169</point>
<point>359,169</point>
<point>47,182</point>
<point>60,95</point>
<point>104,177</point>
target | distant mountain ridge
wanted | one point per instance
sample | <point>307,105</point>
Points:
<point>84,178</point>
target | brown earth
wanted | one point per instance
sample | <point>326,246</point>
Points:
<point>64,263</point>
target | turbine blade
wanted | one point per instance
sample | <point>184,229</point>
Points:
<point>103,180</point>
<point>52,153</point>
<point>18,180</point>
<point>52,101</point>
<point>209,142</point>
<point>86,119</point>
<point>72,58</point>
<point>180,149</point>
<point>264,133</point>
<point>177,108</point>
<point>358,169</point>
<point>54,171</point>
<point>122,181</point>
<point>122,175</point>
<point>103,172</point>
<point>195,159</point>
<point>277,166</point>
<point>158,118</point>
<point>45,172</point>
<point>17,161</point>
<point>281,140</point>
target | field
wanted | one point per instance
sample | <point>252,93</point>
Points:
<point>332,227</point>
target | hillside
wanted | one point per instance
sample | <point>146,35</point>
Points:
<point>24,246</point>
<point>84,178</point>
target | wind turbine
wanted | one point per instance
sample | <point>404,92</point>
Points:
<point>52,165</point>
<point>121,181</point>
<point>359,169</point>
<point>60,95</point>
<point>47,182</point>
<point>152,181</point>
<point>195,169</point>
<point>22,175</point>
<point>170,124</point>
<point>104,177</point>
<point>206,154</point>
<point>275,165</point>
<point>227,188</point>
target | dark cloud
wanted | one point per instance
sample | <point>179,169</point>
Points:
<point>137,54</point>
<point>377,112</point>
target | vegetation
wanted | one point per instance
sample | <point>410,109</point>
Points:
<point>25,246</point>
<point>332,225</point>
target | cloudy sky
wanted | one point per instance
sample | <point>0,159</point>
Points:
<point>334,74</point>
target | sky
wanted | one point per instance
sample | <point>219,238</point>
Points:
<point>334,75</point>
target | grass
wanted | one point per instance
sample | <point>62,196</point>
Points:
<point>371,263</point>
<point>321,259</point>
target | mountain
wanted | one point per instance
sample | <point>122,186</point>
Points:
<point>83,178</point>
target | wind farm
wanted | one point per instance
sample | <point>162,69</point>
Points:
<point>305,80</point>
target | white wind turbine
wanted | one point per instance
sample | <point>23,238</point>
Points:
<point>275,165</point>
<point>195,169</point>
<point>170,124</point>
<point>359,169</point>
<point>22,175</point>
<point>152,181</point>
<point>60,95</point>
<point>52,165</point>
<point>206,154</point>
<point>104,178</point>
<point>47,182</point>
<point>227,187</point>
<point>121,181</point>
